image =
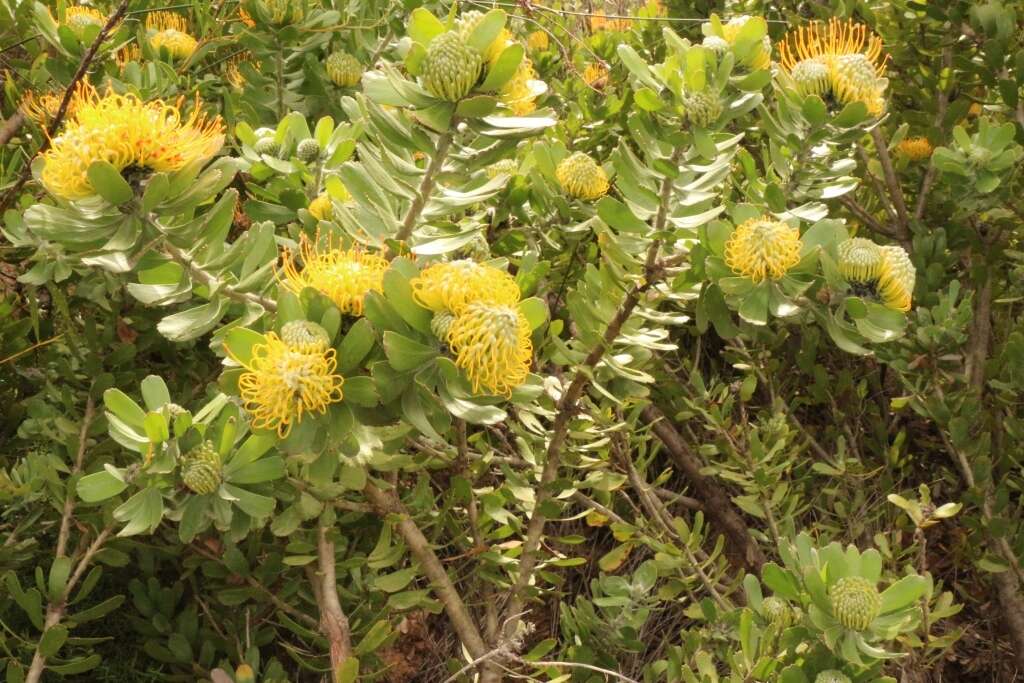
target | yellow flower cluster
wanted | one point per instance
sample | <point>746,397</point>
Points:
<point>841,59</point>
<point>284,381</point>
<point>128,133</point>
<point>232,71</point>
<point>128,53</point>
<point>759,58</point>
<point>42,108</point>
<point>169,31</point>
<point>886,271</point>
<point>79,18</point>
<point>582,177</point>
<point>761,248</point>
<point>538,40</point>
<point>915,149</point>
<point>518,94</point>
<point>476,311</point>
<point>344,276</point>
<point>599,21</point>
<point>595,75</point>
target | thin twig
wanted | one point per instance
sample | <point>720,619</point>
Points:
<point>892,182</point>
<point>333,622</point>
<point>444,143</point>
<point>940,114</point>
<point>69,500</point>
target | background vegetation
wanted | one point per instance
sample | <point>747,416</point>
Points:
<point>703,474</point>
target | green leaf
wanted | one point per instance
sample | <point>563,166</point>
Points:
<point>53,640</point>
<point>239,342</point>
<point>108,183</point>
<point>754,307</point>
<point>781,582</point>
<point>405,354</point>
<point>504,68</point>
<point>252,504</point>
<point>348,672</point>
<point>354,347</point>
<point>903,593</point>
<point>60,570</point>
<point>696,77</point>
<point>78,665</point>
<point>424,26</point>
<point>373,639</point>
<point>142,512</point>
<point>396,581</point>
<point>618,216</point>
<point>852,114</point>
<point>154,392</point>
<point>476,107</point>
<point>262,470</point>
<point>648,100</point>
<point>99,486</point>
<point>398,292</point>
<point>535,310</point>
<point>193,323</point>
<point>487,31</point>
<point>123,407</point>
<point>814,110</point>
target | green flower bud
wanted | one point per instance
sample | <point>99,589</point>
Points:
<point>343,69</point>
<point>777,611</point>
<point>302,335</point>
<point>450,68</point>
<point>267,146</point>
<point>505,166</point>
<point>859,259</point>
<point>702,108</point>
<point>201,469</point>
<point>832,676</point>
<point>308,151</point>
<point>855,602</point>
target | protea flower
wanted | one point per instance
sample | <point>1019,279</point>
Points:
<point>305,336</point>
<point>170,31</point>
<point>344,276</point>
<point>343,69</point>
<point>451,67</point>
<point>763,248</point>
<point>128,133</point>
<point>915,149</point>
<point>702,108</point>
<point>582,177</point>
<point>453,285</point>
<point>491,344</point>
<point>855,602</point>
<point>201,469</point>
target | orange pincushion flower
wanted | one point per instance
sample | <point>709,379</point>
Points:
<point>127,132</point>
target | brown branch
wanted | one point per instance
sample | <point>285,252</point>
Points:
<point>182,257</point>
<point>11,126</point>
<point>387,503</point>
<point>444,143</point>
<point>65,102</point>
<point>940,113</point>
<point>333,622</point>
<point>567,406</point>
<point>69,500</point>
<point>717,505</point>
<point>892,182</point>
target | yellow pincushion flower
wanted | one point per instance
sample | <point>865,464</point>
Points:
<point>491,344</point>
<point>128,133</point>
<point>321,208</point>
<point>42,108</point>
<point>128,53</point>
<point>233,73</point>
<point>842,59</point>
<point>344,276</point>
<point>600,22</point>
<point>538,40</point>
<point>517,94</point>
<point>453,285</point>
<point>762,248</point>
<point>245,17</point>
<point>896,278</point>
<point>582,177</point>
<point>170,31</point>
<point>595,75</point>
<point>282,383</point>
<point>79,18</point>
<point>859,260</point>
<point>915,149</point>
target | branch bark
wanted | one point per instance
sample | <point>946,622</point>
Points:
<point>333,622</point>
<point>444,144</point>
<point>717,505</point>
<point>387,503</point>
<point>892,183</point>
<point>182,257</point>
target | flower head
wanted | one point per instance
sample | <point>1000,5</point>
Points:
<point>582,177</point>
<point>538,40</point>
<point>849,56</point>
<point>282,383</point>
<point>128,53</point>
<point>344,276</point>
<point>233,69</point>
<point>169,31</point>
<point>777,611</point>
<point>503,167</point>
<point>321,208</point>
<point>896,278</point>
<point>595,75</point>
<point>762,248</point>
<point>79,18</point>
<point>343,69</point>
<point>128,133</point>
<point>859,259</point>
<point>915,149</point>
<point>855,602</point>
<point>453,285</point>
<point>491,344</point>
<point>601,22</point>
<point>305,336</point>
<point>450,67</point>
<point>201,469</point>
<point>43,108</point>
<point>468,22</point>
<point>519,94</point>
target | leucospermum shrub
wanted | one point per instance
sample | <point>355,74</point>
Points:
<point>366,342</point>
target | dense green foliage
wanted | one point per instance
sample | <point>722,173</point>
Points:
<point>496,341</point>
